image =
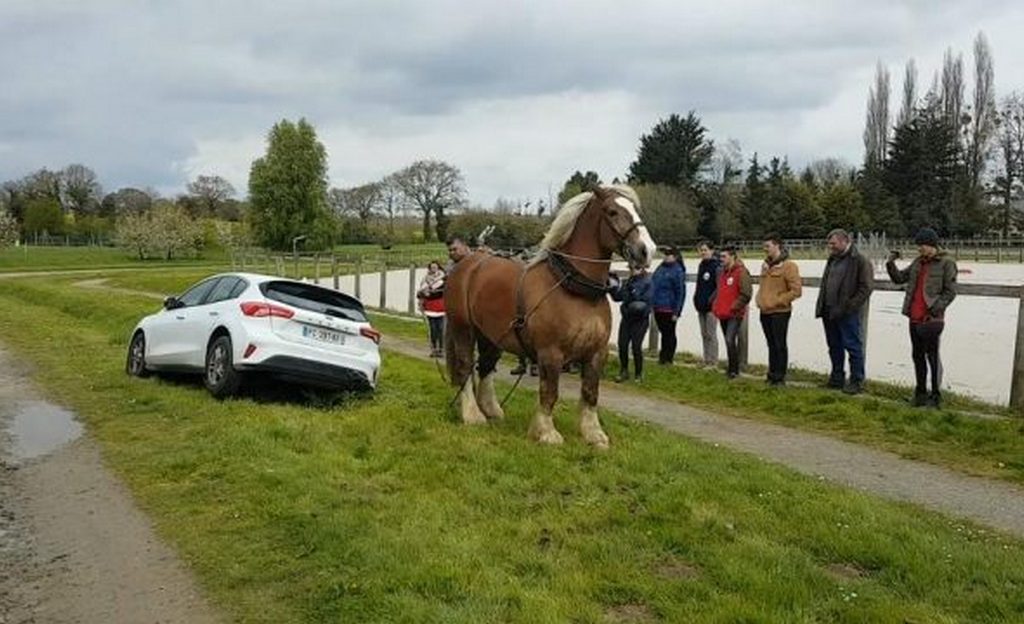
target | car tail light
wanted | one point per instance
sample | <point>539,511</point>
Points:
<point>259,309</point>
<point>371,333</point>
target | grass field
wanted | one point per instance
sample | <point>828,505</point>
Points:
<point>29,258</point>
<point>382,509</point>
<point>881,419</point>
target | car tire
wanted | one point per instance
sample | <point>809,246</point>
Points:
<point>219,374</point>
<point>135,363</point>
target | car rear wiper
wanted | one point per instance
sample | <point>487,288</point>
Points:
<point>341,313</point>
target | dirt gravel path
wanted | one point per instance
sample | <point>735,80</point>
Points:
<point>73,545</point>
<point>989,502</point>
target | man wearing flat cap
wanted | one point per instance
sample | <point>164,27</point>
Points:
<point>931,287</point>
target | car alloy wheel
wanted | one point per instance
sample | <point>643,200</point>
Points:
<point>136,365</point>
<point>216,364</point>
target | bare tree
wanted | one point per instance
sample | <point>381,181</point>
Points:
<point>876,127</point>
<point>727,161</point>
<point>830,171</point>
<point>393,201</point>
<point>982,127</point>
<point>41,184</point>
<point>125,201</point>
<point>909,102</point>
<point>433,187</point>
<point>80,192</point>
<point>209,192</point>
<point>952,93</point>
<point>363,202</point>
<point>1009,182</point>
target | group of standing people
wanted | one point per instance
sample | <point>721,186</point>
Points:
<point>722,297</point>
<point>723,293</point>
<point>643,295</point>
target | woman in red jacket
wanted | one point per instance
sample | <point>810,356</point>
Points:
<point>733,295</point>
<point>431,296</point>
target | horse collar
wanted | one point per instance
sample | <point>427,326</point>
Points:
<point>571,279</point>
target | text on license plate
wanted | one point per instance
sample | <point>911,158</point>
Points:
<point>323,335</point>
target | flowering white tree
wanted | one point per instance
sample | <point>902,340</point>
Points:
<point>8,228</point>
<point>166,230</point>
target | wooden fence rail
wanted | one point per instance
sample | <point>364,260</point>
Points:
<point>360,265</point>
<point>969,290</point>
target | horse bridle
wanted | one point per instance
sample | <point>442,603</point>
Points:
<point>624,250</point>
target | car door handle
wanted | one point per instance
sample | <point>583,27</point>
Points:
<point>214,314</point>
<point>180,318</point>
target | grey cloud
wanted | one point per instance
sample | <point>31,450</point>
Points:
<point>131,87</point>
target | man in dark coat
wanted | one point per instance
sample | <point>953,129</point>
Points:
<point>704,298</point>
<point>846,285</point>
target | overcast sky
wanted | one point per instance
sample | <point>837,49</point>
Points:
<point>516,94</point>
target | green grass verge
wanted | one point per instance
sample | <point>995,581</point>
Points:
<point>28,258</point>
<point>992,448</point>
<point>383,509</point>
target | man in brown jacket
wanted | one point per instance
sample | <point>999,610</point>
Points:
<point>780,286</point>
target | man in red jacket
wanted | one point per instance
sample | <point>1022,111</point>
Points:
<point>733,294</point>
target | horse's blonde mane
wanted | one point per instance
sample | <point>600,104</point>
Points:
<point>565,221</point>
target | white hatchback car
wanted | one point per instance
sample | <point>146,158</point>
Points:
<point>231,324</point>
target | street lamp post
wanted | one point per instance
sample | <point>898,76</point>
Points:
<point>295,253</point>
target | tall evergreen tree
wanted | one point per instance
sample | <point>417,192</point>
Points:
<point>754,202</point>
<point>578,183</point>
<point>288,188</point>
<point>921,172</point>
<point>675,153</point>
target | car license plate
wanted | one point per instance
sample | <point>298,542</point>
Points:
<point>323,335</point>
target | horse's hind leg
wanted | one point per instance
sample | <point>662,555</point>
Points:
<point>487,360</point>
<point>459,357</point>
<point>542,429</point>
<point>590,425</point>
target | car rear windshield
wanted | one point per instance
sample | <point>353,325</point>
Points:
<point>314,298</point>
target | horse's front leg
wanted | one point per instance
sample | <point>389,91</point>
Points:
<point>590,425</point>
<point>542,429</point>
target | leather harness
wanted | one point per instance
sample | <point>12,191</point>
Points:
<point>568,277</point>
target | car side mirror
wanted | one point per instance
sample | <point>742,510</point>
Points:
<point>172,303</point>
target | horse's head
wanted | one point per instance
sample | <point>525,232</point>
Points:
<point>622,230</point>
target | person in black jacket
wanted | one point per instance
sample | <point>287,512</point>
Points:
<point>635,294</point>
<point>704,298</point>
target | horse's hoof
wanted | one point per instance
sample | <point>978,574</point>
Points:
<point>473,417</point>
<point>495,413</point>
<point>552,438</point>
<point>597,439</point>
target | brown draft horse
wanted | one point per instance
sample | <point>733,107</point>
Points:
<point>554,308</point>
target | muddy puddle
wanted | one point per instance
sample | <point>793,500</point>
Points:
<point>36,428</point>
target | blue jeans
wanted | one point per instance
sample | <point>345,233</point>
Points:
<point>843,336</point>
